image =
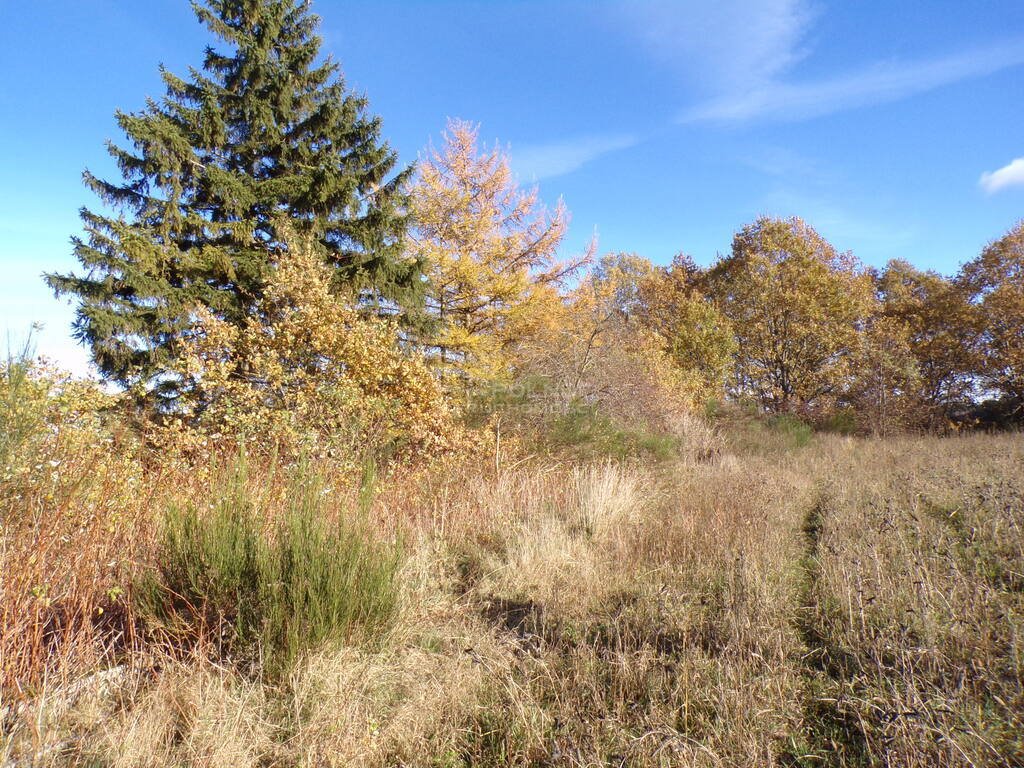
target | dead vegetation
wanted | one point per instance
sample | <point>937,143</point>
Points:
<point>847,602</point>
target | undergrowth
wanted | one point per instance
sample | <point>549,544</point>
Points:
<point>588,433</point>
<point>259,588</point>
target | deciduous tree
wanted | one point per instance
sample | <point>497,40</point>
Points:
<point>698,337</point>
<point>693,337</point>
<point>934,316</point>
<point>797,308</point>
<point>589,353</point>
<point>489,250</point>
<point>885,389</point>
<point>996,283</point>
<point>307,371</point>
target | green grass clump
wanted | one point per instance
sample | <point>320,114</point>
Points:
<point>592,434</point>
<point>749,432</point>
<point>257,590</point>
<point>794,430</point>
<point>842,421</point>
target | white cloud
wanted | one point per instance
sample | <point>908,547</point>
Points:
<point>533,162</point>
<point>875,85</point>
<point>1011,175</point>
<point>739,56</point>
<point>723,46</point>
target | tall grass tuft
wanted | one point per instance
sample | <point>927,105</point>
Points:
<point>268,590</point>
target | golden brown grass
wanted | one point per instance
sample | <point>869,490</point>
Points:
<point>919,598</point>
<point>848,602</point>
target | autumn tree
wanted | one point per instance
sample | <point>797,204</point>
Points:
<point>995,281</point>
<point>591,353</point>
<point>628,290</point>
<point>934,317</point>
<point>265,128</point>
<point>884,391</point>
<point>698,337</point>
<point>490,254</point>
<point>619,279</point>
<point>797,308</point>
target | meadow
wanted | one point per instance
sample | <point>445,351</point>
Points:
<point>755,594</point>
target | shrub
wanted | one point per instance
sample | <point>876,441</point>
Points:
<point>45,411</point>
<point>22,404</point>
<point>307,374</point>
<point>745,430</point>
<point>842,421</point>
<point>272,590</point>
<point>70,492</point>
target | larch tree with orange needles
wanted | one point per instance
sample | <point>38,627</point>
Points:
<point>490,254</point>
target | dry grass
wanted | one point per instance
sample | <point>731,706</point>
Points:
<point>752,603</point>
<point>919,554</point>
<point>69,529</point>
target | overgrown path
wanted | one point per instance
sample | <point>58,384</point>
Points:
<point>909,606</point>
<point>831,730</point>
<point>858,602</point>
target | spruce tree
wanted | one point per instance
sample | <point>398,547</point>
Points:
<point>264,131</point>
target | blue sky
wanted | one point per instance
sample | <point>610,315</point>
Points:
<point>893,128</point>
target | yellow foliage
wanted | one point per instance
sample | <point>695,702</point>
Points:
<point>70,481</point>
<point>310,372</point>
<point>671,336</point>
<point>934,316</point>
<point>490,254</point>
<point>797,308</point>
<point>588,352</point>
<point>698,337</point>
<point>885,392</point>
<point>45,411</point>
<point>996,280</point>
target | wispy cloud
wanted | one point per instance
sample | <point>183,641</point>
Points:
<point>860,225</point>
<point>725,46</point>
<point>533,162</point>
<point>785,163</point>
<point>1010,175</point>
<point>740,57</point>
<point>877,84</point>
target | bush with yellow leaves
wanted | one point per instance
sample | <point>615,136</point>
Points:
<point>48,418</point>
<point>309,373</point>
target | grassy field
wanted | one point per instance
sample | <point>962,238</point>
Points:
<point>763,597</point>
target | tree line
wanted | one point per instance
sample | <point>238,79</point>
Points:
<point>264,264</point>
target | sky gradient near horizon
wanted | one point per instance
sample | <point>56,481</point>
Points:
<point>894,129</point>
